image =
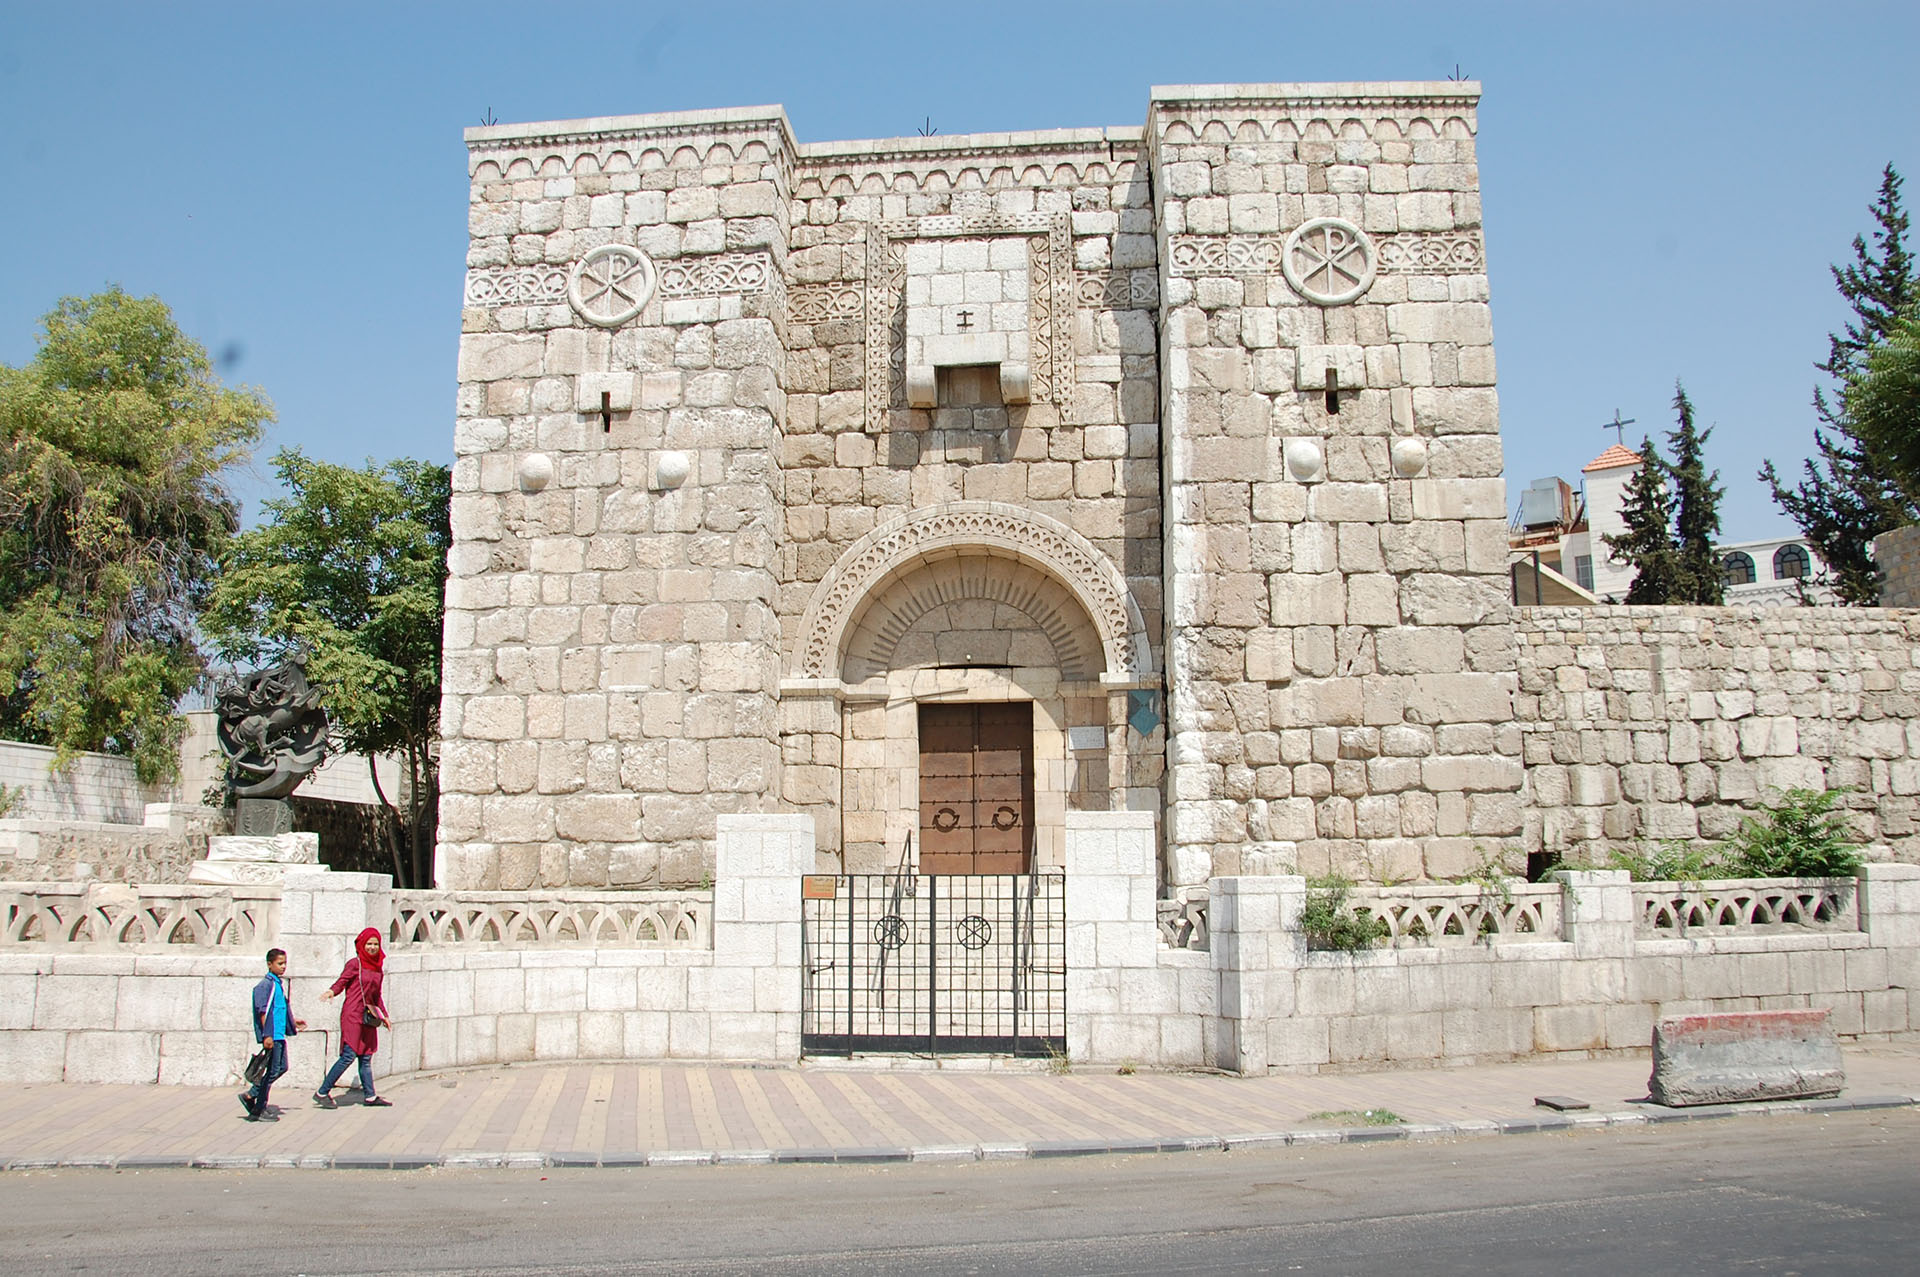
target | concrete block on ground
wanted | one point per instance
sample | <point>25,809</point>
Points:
<point>1743,1056</point>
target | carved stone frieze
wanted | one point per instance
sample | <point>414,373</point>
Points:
<point>719,274</point>
<point>1431,253</point>
<point>517,286</point>
<point>587,154</point>
<point>1047,544</point>
<point>1117,290</point>
<point>1224,255</point>
<point>823,303</point>
<point>1398,253</point>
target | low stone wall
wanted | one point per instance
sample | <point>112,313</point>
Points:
<point>94,788</point>
<point>1471,974</point>
<point>155,1011</point>
<point>1647,723</point>
<point>1597,985</point>
<point>41,850</point>
<point>1130,999</point>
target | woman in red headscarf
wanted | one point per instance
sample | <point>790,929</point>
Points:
<point>362,1012</point>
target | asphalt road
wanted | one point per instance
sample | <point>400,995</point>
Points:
<point>1815,1194</point>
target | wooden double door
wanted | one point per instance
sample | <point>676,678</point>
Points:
<point>976,788</point>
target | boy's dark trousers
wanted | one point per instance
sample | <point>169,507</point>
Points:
<point>276,1067</point>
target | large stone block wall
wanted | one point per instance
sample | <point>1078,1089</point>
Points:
<point>884,233</point>
<point>1340,660</point>
<point>611,635</point>
<point>1897,555</point>
<point>1084,451</point>
<point>1641,724</point>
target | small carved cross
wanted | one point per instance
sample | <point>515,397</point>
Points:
<point>966,320</point>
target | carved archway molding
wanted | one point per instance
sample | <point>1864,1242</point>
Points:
<point>974,527</point>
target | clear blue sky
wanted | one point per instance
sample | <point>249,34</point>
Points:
<point>1665,184</point>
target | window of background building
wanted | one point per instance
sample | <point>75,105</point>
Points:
<point>1790,563</point>
<point>1738,568</point>
<point>1583,571</point>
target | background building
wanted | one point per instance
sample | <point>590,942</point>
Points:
<point>1560,555</point>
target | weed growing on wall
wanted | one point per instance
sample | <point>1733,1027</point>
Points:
<point>1329,923</point>
<point>1676,860</point>
<point>1490,875</point>
<point>1800,836</point>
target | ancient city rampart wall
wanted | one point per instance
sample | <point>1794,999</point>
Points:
<point>1640,724</point>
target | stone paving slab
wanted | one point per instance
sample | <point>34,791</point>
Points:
<point>634,1115</point>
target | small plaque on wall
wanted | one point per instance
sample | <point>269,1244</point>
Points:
<point>819,887</point>
<point>1079,738</point>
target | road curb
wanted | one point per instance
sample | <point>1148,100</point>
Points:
<point>1414,1132</point>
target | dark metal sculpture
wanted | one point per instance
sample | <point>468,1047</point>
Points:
<point>272,728</point>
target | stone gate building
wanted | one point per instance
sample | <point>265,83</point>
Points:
<point>938,487</point>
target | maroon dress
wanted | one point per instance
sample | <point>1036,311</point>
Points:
<point>359,986</point>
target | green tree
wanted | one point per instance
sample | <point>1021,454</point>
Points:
<point>1696,511</point>
<point>1883,401</point>
<point>1647,544</point>
<point>113,443</point>
<point>1844,498</point>
<point>351,566</point>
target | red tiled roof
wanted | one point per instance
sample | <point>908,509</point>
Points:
<point>1613,457</point>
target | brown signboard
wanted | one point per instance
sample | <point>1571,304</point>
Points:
<point>819,887</point>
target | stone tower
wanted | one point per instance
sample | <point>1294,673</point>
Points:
<point>937,487</point>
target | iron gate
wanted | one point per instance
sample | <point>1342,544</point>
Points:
<point>936,963</point>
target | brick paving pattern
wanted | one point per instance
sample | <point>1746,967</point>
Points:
<point>630,1114</point>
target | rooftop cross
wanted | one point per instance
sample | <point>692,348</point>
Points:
<point>1618,427</point>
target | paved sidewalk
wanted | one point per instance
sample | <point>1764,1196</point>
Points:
<point>670,1114</point>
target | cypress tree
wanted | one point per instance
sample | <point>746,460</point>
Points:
<point>1696,502</point>
<point>1845,498</point>
<point>1648,543</point>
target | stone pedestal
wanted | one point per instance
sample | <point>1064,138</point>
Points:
<point>262,817</point>
<point>232,861</point>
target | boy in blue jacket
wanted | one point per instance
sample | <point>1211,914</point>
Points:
<point>273,1024</point>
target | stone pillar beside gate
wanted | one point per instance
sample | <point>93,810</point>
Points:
<point>1128,999</point>
<point>1253,930</point>
<point>749,999</point>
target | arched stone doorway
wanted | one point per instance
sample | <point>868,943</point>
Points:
<point>961,681</point>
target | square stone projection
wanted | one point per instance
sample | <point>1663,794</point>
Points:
<point>967,306</point>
